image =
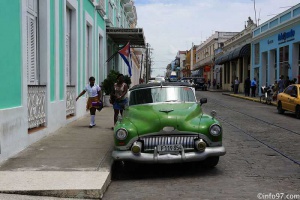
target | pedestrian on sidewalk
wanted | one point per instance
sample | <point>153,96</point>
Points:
<point>253,87</point>
<point>208,82</point>
<point>214,83</point>
<point>119,96</point>
<point>236,85</point>
<point>275,89</point>
<point>247,85</point>
<point>94,99</point>
<point>281,84</point>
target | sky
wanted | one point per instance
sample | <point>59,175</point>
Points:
<point>174,25</point>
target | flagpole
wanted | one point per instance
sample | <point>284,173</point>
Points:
<point>111,57</point>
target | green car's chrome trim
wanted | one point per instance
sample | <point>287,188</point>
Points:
<point>169,158</point>
<point>173,133</point>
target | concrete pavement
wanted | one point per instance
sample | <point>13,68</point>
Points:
<point>74,162</point>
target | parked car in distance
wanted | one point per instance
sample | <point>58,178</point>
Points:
<point>289,100</point>
<point>159,79</point>
<point>164,123</point>
<point>200,83</point>
<point>189,80</point>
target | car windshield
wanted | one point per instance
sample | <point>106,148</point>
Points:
<point>161,94</point>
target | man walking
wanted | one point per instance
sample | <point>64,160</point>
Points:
<point>281,84</point>
<point>236,85</point>
<point>247,85</point>
<point>253,87</point>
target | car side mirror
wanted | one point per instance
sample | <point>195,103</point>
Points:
<point>203,100</point>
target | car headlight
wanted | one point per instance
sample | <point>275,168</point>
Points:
<point>121,134</point>
<point>215,130</point>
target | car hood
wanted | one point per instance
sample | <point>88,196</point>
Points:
<point>152,118</point>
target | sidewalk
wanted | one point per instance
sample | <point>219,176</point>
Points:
<point>242,96</point>
<point>74,162</point>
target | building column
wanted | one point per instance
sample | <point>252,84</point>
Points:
<point>271,65</point>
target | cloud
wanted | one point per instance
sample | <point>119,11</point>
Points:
<point>173,25</point>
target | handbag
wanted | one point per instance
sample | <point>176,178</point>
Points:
<point>98,104</point>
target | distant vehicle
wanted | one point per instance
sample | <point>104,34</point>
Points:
<point>159,79</point>
<point>200,83</point>
<point>151,80</point>
<point>173,77</point>
<point>189,80</point>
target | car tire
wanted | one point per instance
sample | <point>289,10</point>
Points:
<point>279,108</point>
<point>211,162</point>
<point>297,112</point>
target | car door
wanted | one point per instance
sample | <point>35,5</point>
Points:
<point>286,105</point>
<point>293,98</point>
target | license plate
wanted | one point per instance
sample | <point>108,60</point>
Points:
<point>169,148</point>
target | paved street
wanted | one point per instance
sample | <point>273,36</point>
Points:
<point>263,157</point>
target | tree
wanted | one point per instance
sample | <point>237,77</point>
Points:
<point>108,83</point>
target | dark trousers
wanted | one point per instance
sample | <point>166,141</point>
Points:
<point>253,89</point>
<point>236,88</point>
<point>247,91</point>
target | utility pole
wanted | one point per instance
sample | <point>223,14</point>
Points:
<point>255,12</point>
<point>146,64</point>
<point>141,69</point>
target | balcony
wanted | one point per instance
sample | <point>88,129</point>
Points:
<point>36,103</point>
<point>125,1</point>
<point>101,8</point>
<point>128,7</point>
<point>109,19</point>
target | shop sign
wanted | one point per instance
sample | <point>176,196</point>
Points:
<point>286,36</point>
<point>207,69</point>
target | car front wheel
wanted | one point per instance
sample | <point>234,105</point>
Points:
<point>279,108</point>
<point>211,162</point>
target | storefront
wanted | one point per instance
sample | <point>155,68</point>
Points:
<point>275,48</point>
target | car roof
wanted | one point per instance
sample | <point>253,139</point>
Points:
<point>148,85</point>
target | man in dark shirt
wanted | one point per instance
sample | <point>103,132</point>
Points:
<point>247,85</point>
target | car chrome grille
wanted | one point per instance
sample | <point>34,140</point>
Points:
<point>151,141</point>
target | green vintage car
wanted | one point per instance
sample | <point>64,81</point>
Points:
<point>164,123</point>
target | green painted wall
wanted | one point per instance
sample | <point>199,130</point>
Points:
<point>84,50</point>
<point>10,54</point>
<point>52,51</point>
<point>101,22</point>
<point>89,7</point>
<point>79,89</point>
<point>61,50</point>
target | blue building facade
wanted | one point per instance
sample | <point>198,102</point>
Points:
<point>276,48</point>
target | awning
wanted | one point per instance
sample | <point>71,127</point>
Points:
<point>236,53</point>
<point>122,35</point>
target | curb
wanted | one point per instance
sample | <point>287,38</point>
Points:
<point>79,184</point>
<point>247,98</point>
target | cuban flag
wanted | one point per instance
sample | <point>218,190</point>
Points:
<point>125,54</point>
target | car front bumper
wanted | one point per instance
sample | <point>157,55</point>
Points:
<point>169,158</point>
